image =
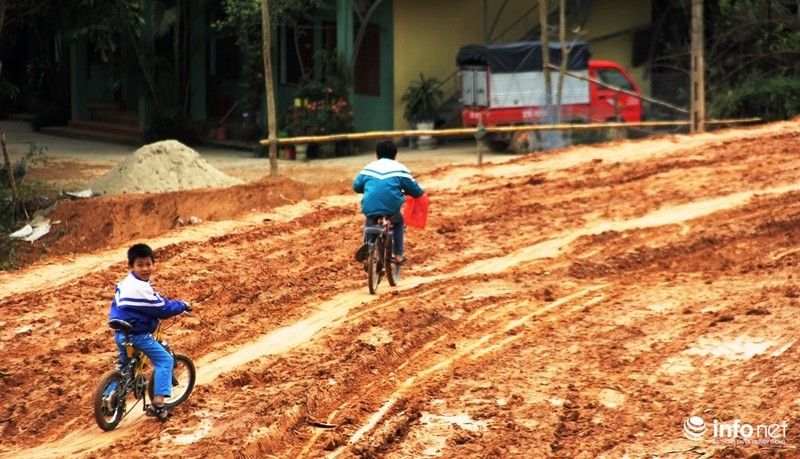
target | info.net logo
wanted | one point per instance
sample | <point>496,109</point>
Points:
<point>735,432</point>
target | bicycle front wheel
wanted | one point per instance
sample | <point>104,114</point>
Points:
<point>374,264</point>
<point>109,400</point>
<point>184,376</point>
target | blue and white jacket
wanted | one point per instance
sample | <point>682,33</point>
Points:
<point>136,302</point>
<point>385,182</point>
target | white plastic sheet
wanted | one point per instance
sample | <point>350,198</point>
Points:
<point>38,232</point>
<point>23,232</point>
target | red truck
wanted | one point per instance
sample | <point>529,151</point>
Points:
<point>503,85</point>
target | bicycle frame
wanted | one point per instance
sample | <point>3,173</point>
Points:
<point>141,358</point>
<point>379,237</point>
<point>136,370</point>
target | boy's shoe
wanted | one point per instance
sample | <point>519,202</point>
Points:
<point>401,261</point>
<point>159,412</point>
<point>362,253</point>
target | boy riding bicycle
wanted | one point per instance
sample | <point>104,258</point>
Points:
<point>137,303</point>
<point>384,182</point>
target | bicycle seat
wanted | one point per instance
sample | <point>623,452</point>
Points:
<point>121,325</point>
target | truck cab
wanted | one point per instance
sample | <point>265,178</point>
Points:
<point>610,104</point>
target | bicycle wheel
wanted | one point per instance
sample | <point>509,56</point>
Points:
<point>109,405</point>
<point>183,379</point>
<point>373,264</point>
<point>392,268</point>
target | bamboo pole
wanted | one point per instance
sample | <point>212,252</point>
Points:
<point>473,131</point>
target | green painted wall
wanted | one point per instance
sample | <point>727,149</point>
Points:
<point>374,113</point>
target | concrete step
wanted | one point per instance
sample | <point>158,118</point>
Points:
<point>124,130</point>
<point>91,134</point>
<point>114,117</point>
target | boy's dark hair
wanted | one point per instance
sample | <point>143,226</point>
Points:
<point>386,149</point>
<point>140,251</point>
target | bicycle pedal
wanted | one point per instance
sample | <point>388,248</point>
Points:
<point>162,414</point>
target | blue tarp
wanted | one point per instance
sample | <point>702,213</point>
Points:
<point>524,56</point>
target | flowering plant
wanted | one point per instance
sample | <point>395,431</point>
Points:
<point>325,112</point>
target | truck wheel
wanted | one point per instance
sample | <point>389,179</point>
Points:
<point>526,142</point>
<point>496,146</point>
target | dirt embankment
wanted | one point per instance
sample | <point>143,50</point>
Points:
<point>573,304</point>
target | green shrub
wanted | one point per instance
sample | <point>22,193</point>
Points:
<point>773,98</point>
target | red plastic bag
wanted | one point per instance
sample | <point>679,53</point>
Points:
<point>415,212</point>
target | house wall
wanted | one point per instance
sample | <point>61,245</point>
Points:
<point>428,34</point>
<point>609,16</point>
<point>427,37</point>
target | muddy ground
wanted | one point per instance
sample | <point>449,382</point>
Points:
<point>581,303</point>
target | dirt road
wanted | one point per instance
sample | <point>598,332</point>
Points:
<point>583,303</point>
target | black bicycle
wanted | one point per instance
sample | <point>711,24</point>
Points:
<point>381,260</point>
<point>135,379</point>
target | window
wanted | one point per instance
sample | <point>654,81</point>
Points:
<point>615,78</point>
<point>295,49</point>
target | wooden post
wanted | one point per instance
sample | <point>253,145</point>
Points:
<point>268,82</point>
<point>698,94</point>
<point>16,204</point>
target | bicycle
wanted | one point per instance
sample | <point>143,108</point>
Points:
<point>118,384</point>
<point>381,260</point>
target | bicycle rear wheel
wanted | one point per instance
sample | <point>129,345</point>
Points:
<point>374,263</point>
<point>183,379</point>
<point>392,268</point>
<point>109,402</point>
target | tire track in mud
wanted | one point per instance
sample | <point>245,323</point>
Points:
<point>472,348</point>
<point>336,309</point>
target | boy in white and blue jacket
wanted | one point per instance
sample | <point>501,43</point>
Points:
<point>137,303</point>
<point>384,183</point>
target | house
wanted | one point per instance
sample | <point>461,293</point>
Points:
<point>401,40</point>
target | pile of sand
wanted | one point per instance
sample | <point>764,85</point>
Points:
<point>161,166</point>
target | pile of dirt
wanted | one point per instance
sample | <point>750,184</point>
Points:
<point>162,166</point>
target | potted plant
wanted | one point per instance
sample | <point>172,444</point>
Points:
<point>422,100</point>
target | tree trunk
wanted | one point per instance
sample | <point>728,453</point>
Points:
<point>3,5</point>
<point>548,86</point>
<point>562,39</point>
<point>273,145</point>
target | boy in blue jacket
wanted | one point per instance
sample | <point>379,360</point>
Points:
<point>137,303</point>
<point>384,183</point>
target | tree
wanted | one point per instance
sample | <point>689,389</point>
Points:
<point>753,58</point>
<point>752,54</point>
<point>244,16</point>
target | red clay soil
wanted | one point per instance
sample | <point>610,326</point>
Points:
<point>581,303</point>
